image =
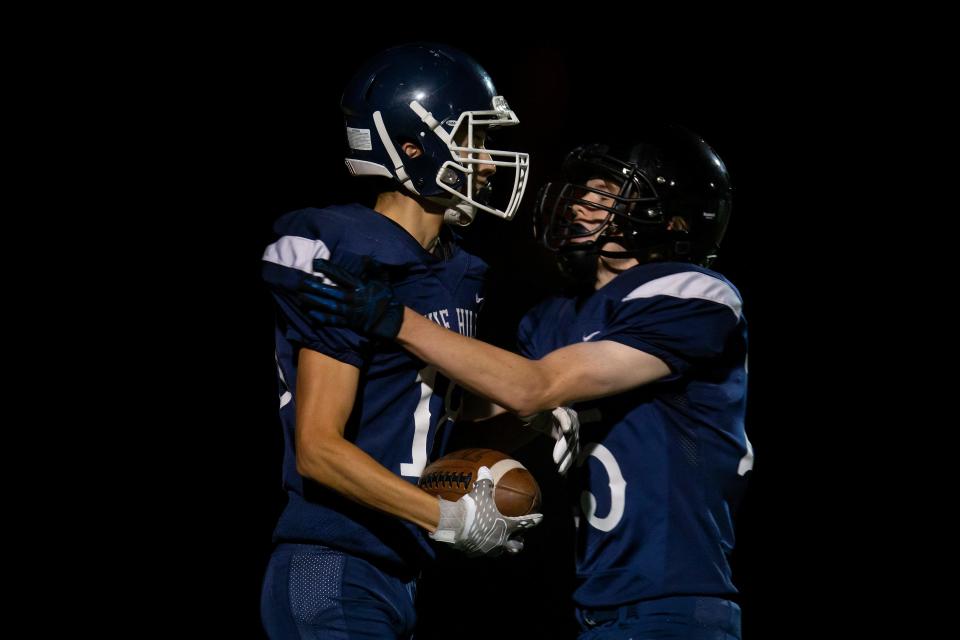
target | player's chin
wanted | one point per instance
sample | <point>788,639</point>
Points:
<point>613,246</point>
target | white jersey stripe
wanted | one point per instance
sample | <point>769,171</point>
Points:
<point>296,252</point>
<point>690,284</point>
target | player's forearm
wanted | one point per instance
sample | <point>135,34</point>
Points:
<point>521,385</point>
<point>348,470</point>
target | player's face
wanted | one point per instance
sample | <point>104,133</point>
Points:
<point>593,218</point>
<point>482,171</point>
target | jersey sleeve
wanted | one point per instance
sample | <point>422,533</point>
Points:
<point>527,343</point>
<point>285,262</point>
<point>684,320</point>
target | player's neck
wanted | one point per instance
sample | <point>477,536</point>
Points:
<point>608,269</point>
<point>409,213</point>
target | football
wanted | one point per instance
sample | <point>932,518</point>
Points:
<point>515,492</point>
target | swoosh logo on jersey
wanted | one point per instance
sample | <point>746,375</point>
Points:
<point>479,299</point>
<point>590,335</point>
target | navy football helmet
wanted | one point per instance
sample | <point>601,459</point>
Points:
<point>673,202</point>
<point>443,101</point>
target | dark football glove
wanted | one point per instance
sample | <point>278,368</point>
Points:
<point>361,302</point>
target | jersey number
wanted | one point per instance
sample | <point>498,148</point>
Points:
<point>429,382</point>
<point>618,489</point>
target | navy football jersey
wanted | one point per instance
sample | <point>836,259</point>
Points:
<point>400,401</point>
<point>662,465</point>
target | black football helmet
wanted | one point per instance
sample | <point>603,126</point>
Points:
<point>673,202</point>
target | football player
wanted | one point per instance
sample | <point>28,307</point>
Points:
<point>360,415</point>
<point>651,350</point>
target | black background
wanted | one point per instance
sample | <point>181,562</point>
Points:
<point>255,131</point>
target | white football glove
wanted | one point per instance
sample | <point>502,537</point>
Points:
<point>563,425</point>
<point>474,525</point>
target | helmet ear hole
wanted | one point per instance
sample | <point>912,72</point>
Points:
<point>410,148</point>
<point>678,223</point>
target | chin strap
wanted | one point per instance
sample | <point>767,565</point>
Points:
<point>578,263</point>
<point>461,214</point>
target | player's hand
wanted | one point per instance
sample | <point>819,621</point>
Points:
<point>362,302</point>
<point>474,525</point>
<point>563,425</point>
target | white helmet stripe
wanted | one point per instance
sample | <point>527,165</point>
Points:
<point>392,152</point>
<point>430,121</point>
